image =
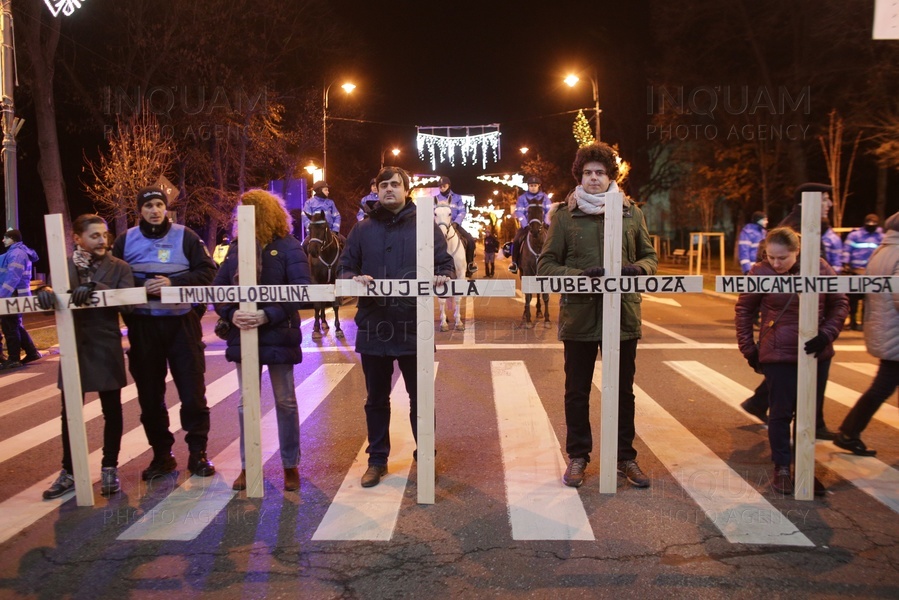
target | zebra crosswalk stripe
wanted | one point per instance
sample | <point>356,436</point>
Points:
<point>185,513</point>
<point>358,513</point>
<point>540,506</point>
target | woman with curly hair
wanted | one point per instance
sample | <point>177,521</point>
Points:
<point>280,260</point>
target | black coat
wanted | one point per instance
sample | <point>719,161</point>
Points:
<point>384,247</point>
<point>283,262</point>
<point>101,360</point>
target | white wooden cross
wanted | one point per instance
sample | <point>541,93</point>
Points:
<point>248,294</point>
<point>611,286</point>
<point>809,285</point>
<point>423,289</point>
<point>68,347</point>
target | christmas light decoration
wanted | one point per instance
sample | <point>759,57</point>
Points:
<point>442,148</point>
<point>583,135</point>
<point>514,180</point>
<point>66,7</point>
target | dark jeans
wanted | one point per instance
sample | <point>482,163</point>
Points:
<point>111,403</point>
<point>885,383</point>
<point>378,371</point>
<point>759,401</point>
<point>783,386</point>
<point>157,345</point>
<point>580,361</point>
<point>17,339</point>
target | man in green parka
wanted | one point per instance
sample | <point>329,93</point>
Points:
<point>574,247</point>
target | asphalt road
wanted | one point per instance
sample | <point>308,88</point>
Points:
<point>503,525</point>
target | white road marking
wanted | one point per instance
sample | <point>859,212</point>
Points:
<point>847,397</point>
<point>668,301</point>
<point>870,475</point>
<point>668,332</point>
<point>51,428</point>
<point>541,507</point>
<point>28,399</point>
<point>186,512</point>
<point>860,367</point>
<point>468,318</point>
<point>737,509</point>
<point>11,378</point>
<point>26,507</point>
<point>867,473</point>
<point>358,513</point>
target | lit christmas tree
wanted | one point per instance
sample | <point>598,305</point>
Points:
<point>583,135</point>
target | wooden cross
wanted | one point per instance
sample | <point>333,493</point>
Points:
<point>611,287</point>
<point>248,294</point>
<point>68,347</point>
<point>423,289</point>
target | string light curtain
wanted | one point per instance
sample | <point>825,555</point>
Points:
<point>441,145</point>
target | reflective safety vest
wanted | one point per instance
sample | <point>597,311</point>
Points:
<point>149,257</point>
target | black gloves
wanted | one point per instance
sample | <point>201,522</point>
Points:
<point>817,344</point>
<point>46,299</point>
<point>593,272</point>
<point>631,271</point>
<point>753,360</point>
<point>81,295</point>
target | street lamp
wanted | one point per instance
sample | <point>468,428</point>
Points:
<point>395,152</point>
<point>347,87</point>
<point>572,80</point>
<point>524,150</point>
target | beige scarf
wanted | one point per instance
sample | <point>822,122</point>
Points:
<point>591,204</point>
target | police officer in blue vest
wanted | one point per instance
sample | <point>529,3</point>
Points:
<point>163,254</point>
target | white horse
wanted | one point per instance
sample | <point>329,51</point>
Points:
<point>456,249</point>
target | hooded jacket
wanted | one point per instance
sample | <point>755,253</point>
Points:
<point>384,247</point>
<point>575,243</point>
<point>882,310</point>
<point>780,341</point>
<point>15,271</point>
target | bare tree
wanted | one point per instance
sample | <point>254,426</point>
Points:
<point>832,148</point>
<point>138,156</point>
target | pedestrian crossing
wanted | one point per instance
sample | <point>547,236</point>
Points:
<point>539,507</point>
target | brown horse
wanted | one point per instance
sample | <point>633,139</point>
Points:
<point>323,249</point>
<point>531,247</point>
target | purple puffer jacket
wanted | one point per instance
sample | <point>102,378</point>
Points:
<point>781,342</point>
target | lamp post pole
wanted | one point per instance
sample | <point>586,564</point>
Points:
<point>596,102</point>
<point>10,123</point>
<point>347,87</point>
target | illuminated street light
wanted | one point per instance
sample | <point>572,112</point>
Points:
<point>524,150</point>
<point>573,79</point>
<point>395,152</point>
<point>347,87</point>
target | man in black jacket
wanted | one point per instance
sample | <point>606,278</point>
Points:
<point>384,247</point>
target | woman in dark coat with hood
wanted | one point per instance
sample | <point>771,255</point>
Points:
<point>281,261</point>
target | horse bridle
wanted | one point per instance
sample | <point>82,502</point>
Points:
<point>531,248</point>
<point>325,244</point>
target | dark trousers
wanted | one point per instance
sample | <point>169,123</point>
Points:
<point>469,244</point>
<point>885,383</point>
<point>111,403</point>
<point>580,361</point>
<point>17,339</point>
<point>854,299</point>
<point>759,401</point>
<point>173,343</point>
<point>378,371</point>
<point>783,389</point>
<point>516,244</point>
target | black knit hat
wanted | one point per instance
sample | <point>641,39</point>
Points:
<point>811,187</point>
<point>758,216</point>
<point>151,193</point>
<point>14,234</point>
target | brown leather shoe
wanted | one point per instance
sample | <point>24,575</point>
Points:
<point>241,482</point>
<point>291,480</point>
<point>373,474</point>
